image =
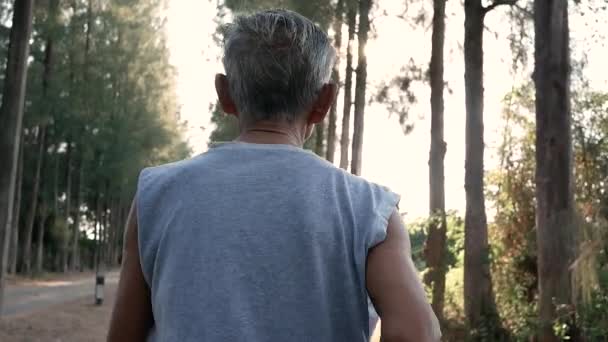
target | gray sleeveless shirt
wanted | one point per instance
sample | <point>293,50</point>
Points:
<point>251,242</point>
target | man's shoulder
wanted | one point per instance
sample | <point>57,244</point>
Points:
<point>355,182</point>
<point>173,170</point>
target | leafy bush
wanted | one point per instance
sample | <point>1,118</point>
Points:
<point>593,316</point>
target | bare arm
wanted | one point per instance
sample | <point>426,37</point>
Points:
<point>132,317</point>
<point>396,290</point>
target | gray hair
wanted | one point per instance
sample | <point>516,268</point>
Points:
<point>276,62</point>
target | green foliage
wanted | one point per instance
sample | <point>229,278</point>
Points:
<point>512,191</point>
<point>58,231</point>
<point>590,129</point>
<point>418,231</point>
<point>454,302</point>
<point>226,126</point>
<point>100,81</point>
<point>593,316</point>
<point>398,95</point>
<point>563,326</point>
<point>311,143</point>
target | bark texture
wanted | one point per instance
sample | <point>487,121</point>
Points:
<point>360,88</point>
<point>75,248</point>
<point>31,217</point>
<point>435,251</point>
<point>46,84</point>
<point>40,238</point>
<point>348,88</point>
<point>14,247</point>
<point>554,193</point>
<point>480,308</point>
<point>333,114</point>
<point>11,119</point>
<point>65,244</point>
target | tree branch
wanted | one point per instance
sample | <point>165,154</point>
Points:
<point>497,3</point>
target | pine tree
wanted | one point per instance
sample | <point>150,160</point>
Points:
<point>11,117</point>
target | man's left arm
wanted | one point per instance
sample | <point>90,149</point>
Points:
<point>132,317</point>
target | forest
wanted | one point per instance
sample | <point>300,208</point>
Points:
<point>89,99</point>
<point>87,102</point>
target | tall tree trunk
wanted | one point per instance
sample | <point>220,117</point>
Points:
<point>14,248</point>
<point>97,238</point>
<point>360,99</point>
<point>65,244</point>
<point>56,211</point>
<point>103,242</point>
<point>87,44</point>
<point>56,181</point>
<point>29,227</point>
<point>333,114</point>
<point>40,238</point>
<point>348,86</point>
<point>74,251</point>
<point>11,119</point>
<point>107,229</point>
<point>480,308</point>
<point>46,81</point>
<point>435,250</point>
<point>554,197</point>
<point>75,254</point>
<point>120,233</point>
<point>111,233</point>
<point>49,51</point>
<point>115,232</point>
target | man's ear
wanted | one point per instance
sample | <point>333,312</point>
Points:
<point>326,99</point>
<point>223,95</point>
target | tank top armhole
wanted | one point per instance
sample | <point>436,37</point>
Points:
<point>388,202</point>
<point>143,234</point>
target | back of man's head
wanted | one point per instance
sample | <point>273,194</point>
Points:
<point>276,62</point>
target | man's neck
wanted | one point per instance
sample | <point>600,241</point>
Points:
<point>270,133</point>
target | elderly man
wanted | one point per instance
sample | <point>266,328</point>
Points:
<point>258,239</point>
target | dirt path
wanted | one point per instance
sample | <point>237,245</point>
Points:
<point>74,321</point>
<point>32,296</point>
<point>59,310</point>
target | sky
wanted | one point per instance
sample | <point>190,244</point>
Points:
<point>390,157</point>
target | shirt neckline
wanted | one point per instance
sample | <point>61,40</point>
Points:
<point>254,146</point>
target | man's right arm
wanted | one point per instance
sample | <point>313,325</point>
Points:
<point>396,290</point>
